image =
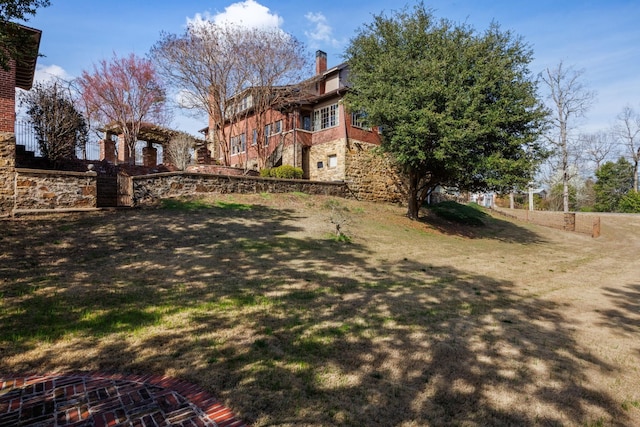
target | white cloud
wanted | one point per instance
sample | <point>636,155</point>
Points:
<point>322,34</point>
<point>247,13</point>
<point>46,73</point>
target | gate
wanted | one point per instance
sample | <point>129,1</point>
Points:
<point>114,191</point>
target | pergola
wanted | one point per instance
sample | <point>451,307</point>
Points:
<point>149,133</point>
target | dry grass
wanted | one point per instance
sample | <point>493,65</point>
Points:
<point>252,298</point>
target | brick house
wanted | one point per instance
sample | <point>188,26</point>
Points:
<point>309,128</point>
<point>19,75</point>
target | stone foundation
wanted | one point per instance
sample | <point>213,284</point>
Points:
<point>7,172</point>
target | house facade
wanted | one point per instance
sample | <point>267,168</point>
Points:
<point>310,129</point>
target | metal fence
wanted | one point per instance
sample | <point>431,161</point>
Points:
<point>26,135</point>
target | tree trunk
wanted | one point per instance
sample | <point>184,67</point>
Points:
<point>413,211</point>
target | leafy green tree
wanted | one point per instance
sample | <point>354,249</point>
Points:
<point>16,43</point>
<point>630,203</point>
<point>615,180</point>
<point>455,107</point>
<point>60,128</point>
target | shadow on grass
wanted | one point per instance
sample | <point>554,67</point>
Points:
<point>288,330</point>
<point>475,223</point>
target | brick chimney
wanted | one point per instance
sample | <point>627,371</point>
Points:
<point>321,62</point>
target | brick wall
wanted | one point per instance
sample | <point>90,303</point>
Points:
<point>580,222</point>
<point>8,99</point>
<point>149,189</point>
<point>7,172</point>
<point>37,189</point>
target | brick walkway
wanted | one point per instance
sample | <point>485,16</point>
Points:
<point>108,400</point>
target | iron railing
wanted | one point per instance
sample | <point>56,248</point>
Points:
<point>26,135</point>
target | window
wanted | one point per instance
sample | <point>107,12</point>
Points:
<point>358,121</point>
<point>254,138</point>
<point>332,161</point>
<point>320,165</point>
<point>267,133</point>
<point>326,117</point>
<point>277,127</point>
<point>238,144</point>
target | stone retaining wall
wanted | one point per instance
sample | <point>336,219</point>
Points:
<point>149,189</point>
<point>37,189</point>
<point>372,176</point>
<point>7,172</point>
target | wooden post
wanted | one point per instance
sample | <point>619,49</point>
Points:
<point>596,228</point>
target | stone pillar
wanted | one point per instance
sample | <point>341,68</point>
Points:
<point>150,156</point>
<point>7,172</point>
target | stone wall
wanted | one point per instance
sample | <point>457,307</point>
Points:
<point>7,172</point>
<point>148,190</point>
<point>320,168</point>
<point>372,176</point>
<point>45,189</point>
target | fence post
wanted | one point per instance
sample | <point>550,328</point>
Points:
<point>570,221</point>
<point>596,228</point>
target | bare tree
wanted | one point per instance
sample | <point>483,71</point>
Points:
<point>570,99</point>
<point>60,128</point>
<point>180,150</point>
<point>124,93</point>
<point>203,63</point>
<point>627,130</point>
<point>597,147</point>
<point>224,71</point>
<point>274,62</point>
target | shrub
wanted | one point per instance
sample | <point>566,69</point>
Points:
<point>282,172</point>
<point>265,173</point>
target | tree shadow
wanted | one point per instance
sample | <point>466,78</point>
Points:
<point>290,330</point>
<point>491,228</point>
<point>625,317</point>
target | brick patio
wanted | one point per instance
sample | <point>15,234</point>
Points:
<point>108,400</point>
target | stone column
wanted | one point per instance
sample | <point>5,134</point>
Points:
<point>7,172</point>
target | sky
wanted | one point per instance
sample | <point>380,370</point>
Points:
<point>601,38</point>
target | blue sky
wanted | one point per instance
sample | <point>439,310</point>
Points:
<point>600,37</point>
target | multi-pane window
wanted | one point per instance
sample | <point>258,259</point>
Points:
<point>326,117</point>
<point>277,127</point>
<point>238,144</point>
<point>358,120</point>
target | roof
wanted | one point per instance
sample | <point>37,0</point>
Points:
<point>26,64</point>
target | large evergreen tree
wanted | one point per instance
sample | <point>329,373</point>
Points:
<point>455,107</point>
<point>615,180</point>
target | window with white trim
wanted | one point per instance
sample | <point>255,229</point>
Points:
<point>332,161</point>
<point>358,120</point>
<point>238,144</point>
<point>325,117</point>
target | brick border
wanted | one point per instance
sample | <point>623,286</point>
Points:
<point>210,408</point>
